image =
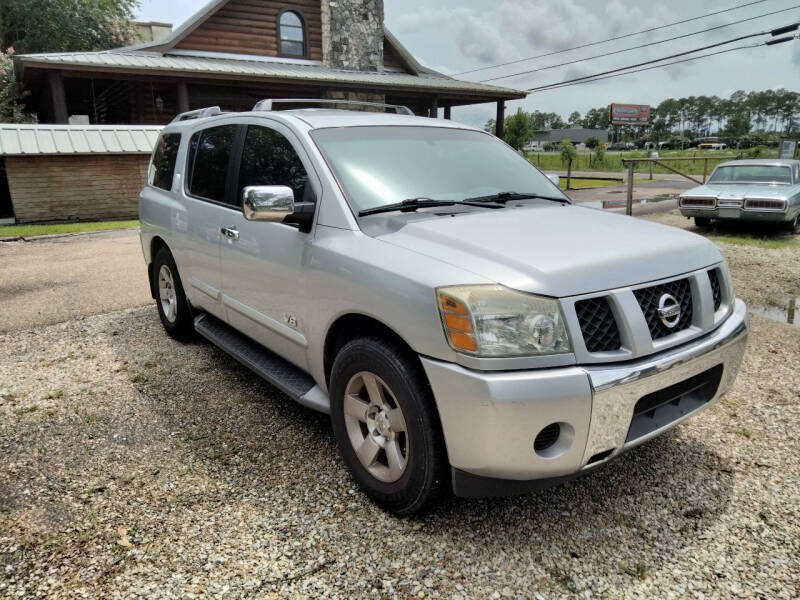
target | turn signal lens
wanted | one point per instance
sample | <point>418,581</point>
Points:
<point>451,305</point>
<point>457,323</point>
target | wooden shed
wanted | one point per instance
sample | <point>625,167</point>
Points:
<point>69,172</point>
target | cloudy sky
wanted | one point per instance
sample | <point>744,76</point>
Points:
<point>453,36</point>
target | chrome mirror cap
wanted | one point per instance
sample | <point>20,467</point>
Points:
<point>267,202</point>
<point>554,178</point>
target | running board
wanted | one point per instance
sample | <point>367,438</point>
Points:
<point>294,382</point>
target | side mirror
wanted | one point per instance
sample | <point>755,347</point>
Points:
<point>267,202</point>
<point>554,178</point>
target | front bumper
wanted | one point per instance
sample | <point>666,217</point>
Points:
<point>736,213</point>
<point>490,419</point>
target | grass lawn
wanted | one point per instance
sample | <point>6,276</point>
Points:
<point>693,163</point>
<point>54,228</point>
<point>771,243</point>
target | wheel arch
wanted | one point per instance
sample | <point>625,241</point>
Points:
<point>351,326</point>
<point>155,245</point>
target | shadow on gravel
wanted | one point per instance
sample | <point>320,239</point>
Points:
<point>250,437</point>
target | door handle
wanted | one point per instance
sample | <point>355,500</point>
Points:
<point>230,232</point>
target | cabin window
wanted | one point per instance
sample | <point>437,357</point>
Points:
<point>292,34</point>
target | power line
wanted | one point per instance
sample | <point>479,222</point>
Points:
<point>663,58</point>
<point>672,39</point>
<point>556,86</point>
<point>684,60</point>
<point>613,39</point>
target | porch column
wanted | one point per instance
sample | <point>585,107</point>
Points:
<point>183,97</point>
<point>500,121</point>
<point>433,112</point>
<point>60,116</point>
<point>447,112</point>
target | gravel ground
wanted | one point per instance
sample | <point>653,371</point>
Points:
<point>135,466</point>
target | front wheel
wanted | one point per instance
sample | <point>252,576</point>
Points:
<point>702,222</point>
<point>386,425</point>
<point>794,226</point>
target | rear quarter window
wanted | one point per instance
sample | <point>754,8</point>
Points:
<point>165,155</point>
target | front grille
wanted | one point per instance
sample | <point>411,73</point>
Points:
<point>716,290</point>
<point>698,202</point>
<point>764,204</point>
<point>649,299</point>
<point>599,328</point>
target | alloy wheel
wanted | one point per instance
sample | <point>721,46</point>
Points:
<point>166,294</point>
<point>376,427</point>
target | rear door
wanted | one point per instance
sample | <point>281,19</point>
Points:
<point>263,268</point>
<point>209,160</point>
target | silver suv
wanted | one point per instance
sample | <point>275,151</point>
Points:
<point>467,328</point>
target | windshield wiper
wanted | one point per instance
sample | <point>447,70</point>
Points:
<point>503,197</point>
<point>412,204</point>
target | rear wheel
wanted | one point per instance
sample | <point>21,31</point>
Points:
<point>173,308</point>
<point>386,425</point>
<point>703,222</point>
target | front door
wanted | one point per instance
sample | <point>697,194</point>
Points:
<point>263,263</point>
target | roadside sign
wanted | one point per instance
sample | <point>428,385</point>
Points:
<point>788,148</point>
<point>630,114</point>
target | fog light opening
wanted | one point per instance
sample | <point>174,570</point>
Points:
<point>553,440</point>
<point>547,437</point>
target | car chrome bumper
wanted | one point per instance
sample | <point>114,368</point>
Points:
<point>490,419</point>
<point>736,213</point>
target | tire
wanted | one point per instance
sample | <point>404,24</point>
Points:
<point>173,308</point>
<point>794,226</point>
<point>403,465</point>
<point>702,222</point>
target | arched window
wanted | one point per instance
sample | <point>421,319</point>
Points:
<point>291,35</point>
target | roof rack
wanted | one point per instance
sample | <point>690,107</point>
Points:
<point>267,105</point>
<point>201,113</point>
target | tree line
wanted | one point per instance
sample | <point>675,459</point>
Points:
<point>31,26</point>
<point>746,117</point>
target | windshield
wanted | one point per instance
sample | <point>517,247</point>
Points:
<point>377,166</point>
<point>752,174</point>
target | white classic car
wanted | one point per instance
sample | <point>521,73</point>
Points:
<point>749,190</point>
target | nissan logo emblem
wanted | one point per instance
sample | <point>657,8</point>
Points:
<point>669,310</point>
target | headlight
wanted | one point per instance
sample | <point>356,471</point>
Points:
<point>492,321</point>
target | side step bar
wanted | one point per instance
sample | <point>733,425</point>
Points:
<point>294,382</point>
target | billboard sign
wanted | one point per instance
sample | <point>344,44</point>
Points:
<point>630,114</point>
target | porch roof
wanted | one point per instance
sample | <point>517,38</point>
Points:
<point>207,65</point>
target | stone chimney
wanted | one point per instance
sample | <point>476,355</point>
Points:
<point>352,34</point>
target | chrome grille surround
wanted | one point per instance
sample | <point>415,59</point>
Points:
<point>636,339</point>
<point>708,202</point>
<point>765,204</point>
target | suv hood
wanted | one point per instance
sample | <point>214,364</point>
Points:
<point>557,250</point>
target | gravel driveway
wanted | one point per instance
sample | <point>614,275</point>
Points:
<point>135,466</point>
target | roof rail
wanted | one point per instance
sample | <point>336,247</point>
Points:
<point>267,105</point>
<point>201,113</point>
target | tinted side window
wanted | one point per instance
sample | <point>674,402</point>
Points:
<point>164,157</point>
<point>269,159</point>
<point>211,153</point>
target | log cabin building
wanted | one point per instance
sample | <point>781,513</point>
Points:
<point>234,53</point>
<point>99,112</point>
